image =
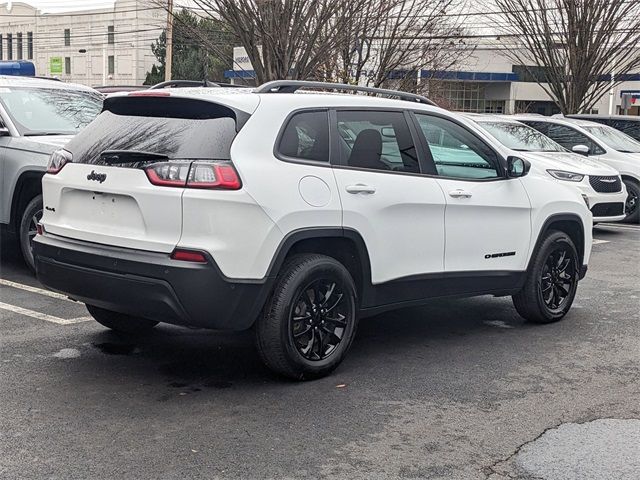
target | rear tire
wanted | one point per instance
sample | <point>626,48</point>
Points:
<point>552,280</point>
<point>310,321</point>
<point>31,215</point>
<point>120,322</point>
<point>632,205</point>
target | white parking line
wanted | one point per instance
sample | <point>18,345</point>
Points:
<point>29,288</point>
<point>596,241</point>
<point>42,316</point>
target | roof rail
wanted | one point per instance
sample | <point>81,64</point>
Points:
<point>191,83</point>
<point>291,86</point>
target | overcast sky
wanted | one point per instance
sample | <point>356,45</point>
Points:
<point>67,5</point>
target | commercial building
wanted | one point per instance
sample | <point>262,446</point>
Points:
<point>485,81</point>
<point>107,46</point>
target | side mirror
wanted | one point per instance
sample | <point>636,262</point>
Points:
<point>4,132</point>
<point>517,167</point>
<point>581,149</point>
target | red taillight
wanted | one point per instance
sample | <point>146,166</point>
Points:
<point>216,175</point>
<point>58,159</point>
<point>212,175</point>
<point>168,174</point>
<point>39,229</point>
<point>188,256</point>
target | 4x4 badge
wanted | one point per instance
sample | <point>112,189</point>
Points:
<point>98,177</point>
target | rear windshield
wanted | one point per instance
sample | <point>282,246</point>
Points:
<point>173,138</point>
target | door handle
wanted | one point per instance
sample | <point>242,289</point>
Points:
<point>460,193</point>
<point>360,188</point>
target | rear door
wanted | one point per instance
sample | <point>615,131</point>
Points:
<point>385,197</point>
<point>105,195</point>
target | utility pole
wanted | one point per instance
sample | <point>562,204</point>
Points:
<point>168,59</point>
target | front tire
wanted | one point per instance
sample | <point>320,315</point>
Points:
<point>31,215</point>
<point>309,323</point>
<point>120,322</point>
<point>552,280</point>
<point>632,204</point>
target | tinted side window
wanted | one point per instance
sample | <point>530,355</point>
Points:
<point>569,138</point>
<point>455,151</point>
<point>377,141</point>
<point>306,137</point>
<point>542,127</point>
<point>630,127</point>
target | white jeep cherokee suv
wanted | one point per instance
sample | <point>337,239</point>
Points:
<point>300,213</point>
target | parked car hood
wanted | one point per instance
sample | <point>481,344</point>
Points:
<point>45,144</point>
<point>569,162</point>
<point>56,141</point>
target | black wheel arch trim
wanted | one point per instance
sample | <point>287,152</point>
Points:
<point>17,203</point>
<point>562,217</point>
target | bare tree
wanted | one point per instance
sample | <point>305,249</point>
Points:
<point>394,40</point>
<point>283,38</point>
<point>571,47</point>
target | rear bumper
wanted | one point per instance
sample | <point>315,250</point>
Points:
<point>147,284</point>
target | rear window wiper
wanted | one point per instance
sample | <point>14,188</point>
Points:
<point>117,157</point>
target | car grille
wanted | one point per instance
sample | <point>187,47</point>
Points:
<point>609,209</point>
<point>605,184</point>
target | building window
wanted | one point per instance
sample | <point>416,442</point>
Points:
<point>465,97</point>
<point>67,37</point>
<point>530,73</point>
<point>111,65</point>
<point>1,47</point>
<point>30,45</point>
<point>67,65</point>
<point>9,46</point>
<point>111,35</point>
<point>19,45</point>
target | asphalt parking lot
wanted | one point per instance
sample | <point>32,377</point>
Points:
<point>454,390</point>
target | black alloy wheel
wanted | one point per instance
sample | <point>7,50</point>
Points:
<point>631,205</point>
<point>558,278</point>
<point>551,280</point>
<point>310,321</point>
<point>319,319</point>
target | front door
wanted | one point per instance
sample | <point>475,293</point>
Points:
<point>487,220</point>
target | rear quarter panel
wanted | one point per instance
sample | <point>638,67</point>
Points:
<point>276,188</point>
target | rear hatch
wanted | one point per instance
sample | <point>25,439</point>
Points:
<point>120,181</point>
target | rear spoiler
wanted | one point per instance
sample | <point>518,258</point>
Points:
<point>161,104</point>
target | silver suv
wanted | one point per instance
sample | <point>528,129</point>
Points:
<point>37,117</point>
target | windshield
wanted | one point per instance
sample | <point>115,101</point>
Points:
<point>614,138</point>
<point>521,137</point>
<point>50,111</point>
